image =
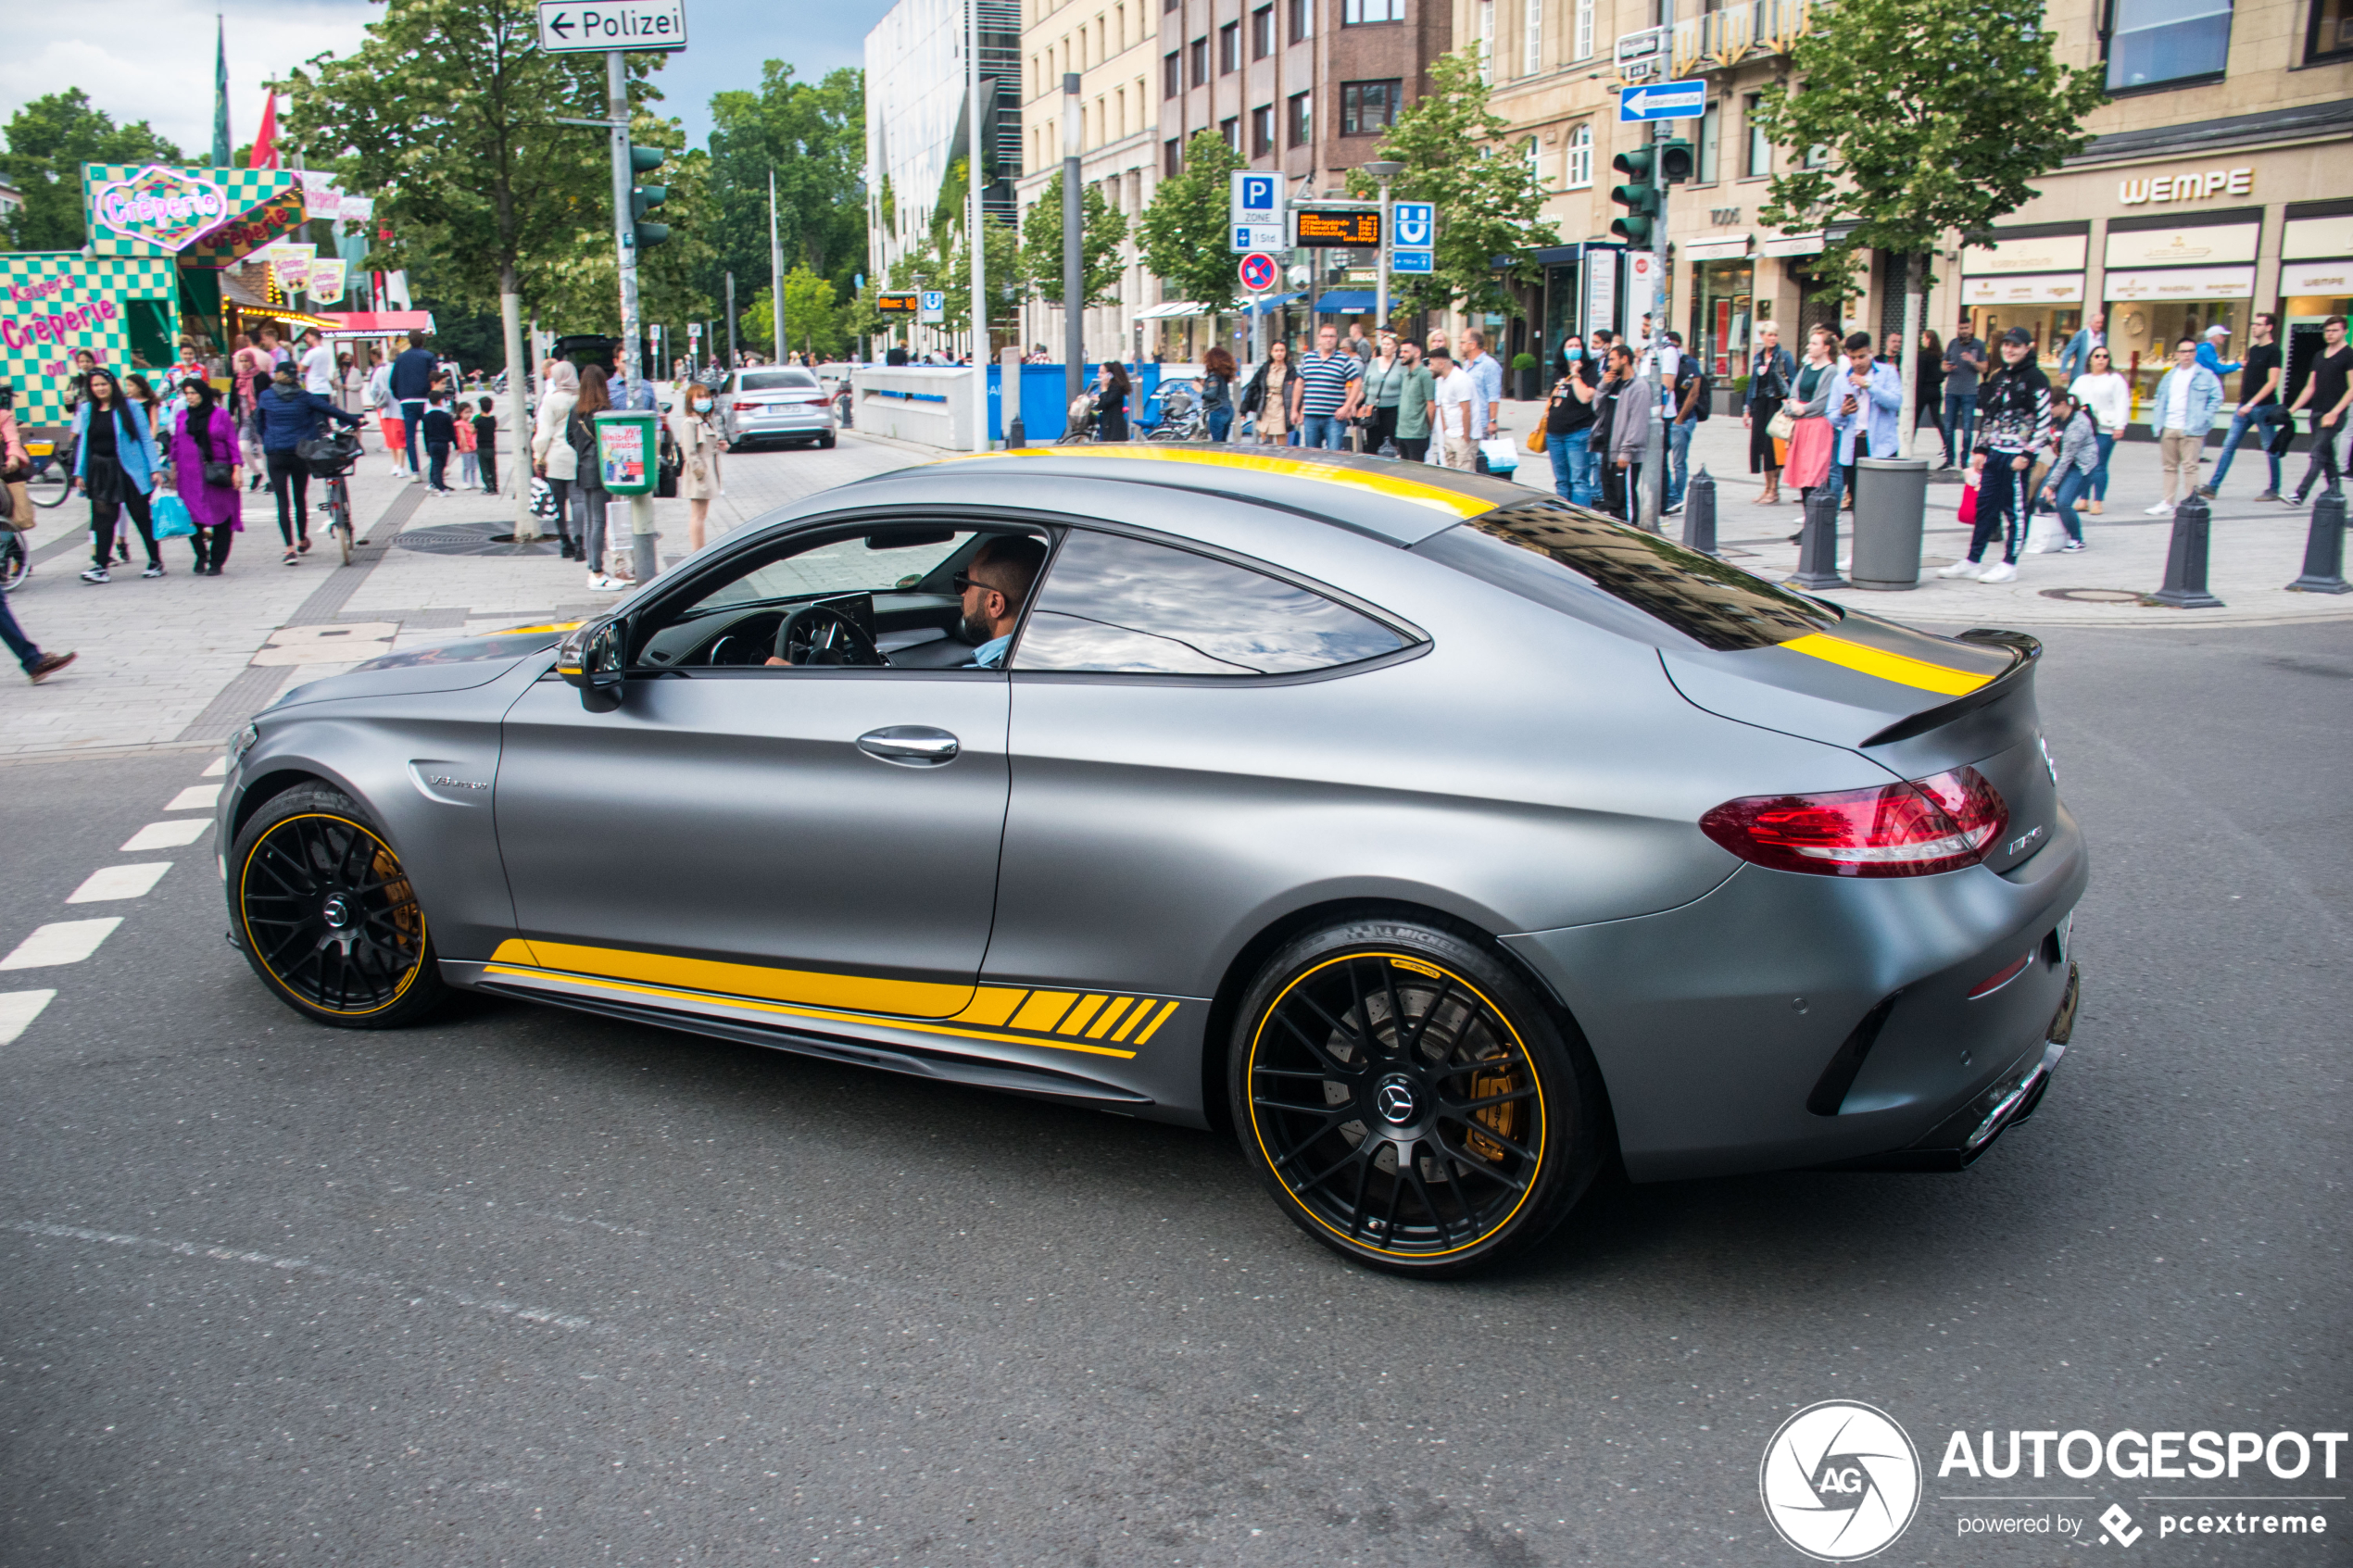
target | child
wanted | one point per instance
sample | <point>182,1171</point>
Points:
<point>440,432</point>
<point>485,427</point>
<point>465,430</point>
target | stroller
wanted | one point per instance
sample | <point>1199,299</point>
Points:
<point>1079,424</point>
<point>1181,415</point>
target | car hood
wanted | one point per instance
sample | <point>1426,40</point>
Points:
<point>444,667</point>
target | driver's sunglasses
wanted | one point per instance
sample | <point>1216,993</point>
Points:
<point>961,580</point>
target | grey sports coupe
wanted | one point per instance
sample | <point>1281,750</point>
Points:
<point>1442,840</point>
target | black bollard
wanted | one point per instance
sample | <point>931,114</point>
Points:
<point>1699,513</point>
<point>2185,560</point>
<point>1818,545</point>
<point>2324,550</point>
<point>1015,437</point>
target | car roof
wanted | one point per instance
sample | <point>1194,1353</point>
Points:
<point>1402,503</point>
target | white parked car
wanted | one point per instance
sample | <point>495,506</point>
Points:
<point>775,402</point>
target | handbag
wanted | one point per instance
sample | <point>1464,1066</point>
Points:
<point>1969,504</point>
<point>1497,456</point>
<point>1536,438</point>
<point>1783,425</point>
<point>16,507</point>
<point>170,518</point>
<point>220,476</point>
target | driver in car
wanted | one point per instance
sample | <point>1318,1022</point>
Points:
<point>994,588</point>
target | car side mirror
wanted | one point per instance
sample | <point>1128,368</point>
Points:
<point>593,660</point>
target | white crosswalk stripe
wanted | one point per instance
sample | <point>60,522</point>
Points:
<point>65,941</point>
<point>18,1009</point>
<point>220,767</point>
<point>166,836</point>
<point>119,882</point>
<point>195,798</point>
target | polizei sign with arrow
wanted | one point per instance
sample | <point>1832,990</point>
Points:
<point>572,26</point>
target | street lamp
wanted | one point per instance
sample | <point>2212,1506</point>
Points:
<point>1383,171</point>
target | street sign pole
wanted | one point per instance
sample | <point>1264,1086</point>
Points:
<point>644,560</point>
<point>1654,443</point>
<point>976,235</point>
<point>1073,270</point>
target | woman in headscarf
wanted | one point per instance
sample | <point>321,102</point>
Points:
<point>203,438</point>
<point>551,455</point>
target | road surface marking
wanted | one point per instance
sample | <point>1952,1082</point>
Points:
<point>119,882</point>
<point>175,834</point>
<point>18,1009</point>
<point>65,941</point>
<point>219,768</point>
<point>195,798</point>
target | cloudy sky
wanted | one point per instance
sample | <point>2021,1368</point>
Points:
<point>152,60</point>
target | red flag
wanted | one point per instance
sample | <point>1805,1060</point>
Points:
<point>265,141</point>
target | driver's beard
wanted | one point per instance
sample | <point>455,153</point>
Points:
<point>975,629</point>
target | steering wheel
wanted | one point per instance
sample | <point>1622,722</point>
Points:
<point>823,634</point>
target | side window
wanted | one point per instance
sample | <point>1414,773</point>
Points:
<point>1122,606</point>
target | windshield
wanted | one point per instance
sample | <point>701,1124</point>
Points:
<point>838,566</point>
<point>1598,569</point>
<point>777,380</point>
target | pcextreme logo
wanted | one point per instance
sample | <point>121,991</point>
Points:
<point>1839,1481</point>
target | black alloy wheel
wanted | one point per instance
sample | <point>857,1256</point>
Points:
<point>1409,1100</point>
<point>326,915</point>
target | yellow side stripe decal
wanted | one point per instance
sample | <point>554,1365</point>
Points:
<point>1154,1027</point>
<point>1887,666</point>
<point>1452,502</point>
<point>1109,1017</point>
<point>1076,1019</point>
<point>908,998</point>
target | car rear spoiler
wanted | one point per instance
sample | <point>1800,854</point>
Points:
<point>2026,652</point>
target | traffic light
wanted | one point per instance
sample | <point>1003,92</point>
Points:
<point>1674,161</point>
<point>1638,195</point>
<point>642,199</point>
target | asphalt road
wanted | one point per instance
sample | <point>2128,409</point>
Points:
<point>524,1287</point>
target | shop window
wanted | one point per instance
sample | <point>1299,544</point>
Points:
<point>1302,21</point>
<point>1584,46</point>
<point>1302,119</point>
<point>1577,170</point>
<point>1229,48</point>
<point>1757,159</point>
<point>1368,107</point>
<point>1711,132</point>
<point>1262,33</point>
<point>1171,75</point>
<point>2158,43</point>
<point>2332,34</point>
<point>1354,13</point>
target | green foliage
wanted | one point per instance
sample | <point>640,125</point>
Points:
<point>1183,232</point>
<point>813,135</point>
<point>1934,115</point>
<point>1448,141</point>
<point>1101,230</point>
<point>1524,361</point>
<point>49,139</point>
<point>578,286</point>
<point>1004,280</point>
<point>812,321</point>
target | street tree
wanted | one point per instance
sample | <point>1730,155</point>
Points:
<point>1183,230</point>
<point>1929,116</point>
<point>812,321</point>
<point>1100,231</point>
<point>49,139</point>
<point>446,111</point>
<point>1004,279</point>
<point>812,136</point>
<point>1451,145</point>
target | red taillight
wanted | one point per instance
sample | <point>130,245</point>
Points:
<point>2002,976</point>
<point>1916,829</point>
<point>746,407</point>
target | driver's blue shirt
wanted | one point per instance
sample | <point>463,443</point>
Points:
<point>990,655</point>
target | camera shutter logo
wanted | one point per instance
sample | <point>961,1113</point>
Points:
<point>1839,1481</point>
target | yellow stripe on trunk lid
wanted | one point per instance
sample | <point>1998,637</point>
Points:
<point>1896,667</point>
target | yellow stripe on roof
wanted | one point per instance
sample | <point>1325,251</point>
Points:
<point>1452,503</point>
<point>1887,666</point>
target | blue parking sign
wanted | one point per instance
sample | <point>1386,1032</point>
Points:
<point>1416,225</point>
<point>1410,261</point>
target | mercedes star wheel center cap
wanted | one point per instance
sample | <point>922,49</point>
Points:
<point>1397,1102</point>
<point>337,913</point>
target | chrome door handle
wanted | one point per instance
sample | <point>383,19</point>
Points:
<point>910,746</point>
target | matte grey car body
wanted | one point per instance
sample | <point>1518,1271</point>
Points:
<point>727,852</point>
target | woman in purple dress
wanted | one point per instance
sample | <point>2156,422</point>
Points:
<point>202,433</point>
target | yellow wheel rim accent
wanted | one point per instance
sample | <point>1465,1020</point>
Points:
<point>306,882</point>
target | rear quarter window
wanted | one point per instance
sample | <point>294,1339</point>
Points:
<point>1627,580</point>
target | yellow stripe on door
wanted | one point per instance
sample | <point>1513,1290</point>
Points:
<point>1452,502</point>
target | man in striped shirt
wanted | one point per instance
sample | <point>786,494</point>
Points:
<point>1324,377</point>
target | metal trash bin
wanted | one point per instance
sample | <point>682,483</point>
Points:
<point>1890,513</point>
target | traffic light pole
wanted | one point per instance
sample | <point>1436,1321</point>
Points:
<point>1653,494</point>
<point>1073,258</point>
<point>645,561</point>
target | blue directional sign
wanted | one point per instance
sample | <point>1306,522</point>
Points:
<point>1410,261</point>
<point>1416,225</point>
<point>1663,100</point>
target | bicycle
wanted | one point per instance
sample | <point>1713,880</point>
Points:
<point>50,480</point>
<point>331,459</point>
<point>16,562</point>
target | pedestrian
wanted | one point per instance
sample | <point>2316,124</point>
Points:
<point>1416,399</point>
<point>1217,393</point>
<point>2075,359</point>
<point>15,464</point>
<point>1693,389</point>
<point>631,392</point>
<point>1486,372</point>
<point>484,426</point>
<point>1568,425</point>
<point>2182,411</point>
<point>1273,394</point>
<point>2014,422</point>
<point>2327,389</point>
<point>413,373</point>
<point>2079,431</point>
<point>1963,364</point>
<point>319,369</point>
<point>2109,397</point>
<point>441,434</point>
<point>1111,403</point>
<point>1374,402</point>
<point>347,385</point>
<point>1327,382</point>
<point>1457,398</point>
<point>1928,388</point>
<point>2259,406</point>
<point>469,470</point>
<point>1869,403</point>
<point>187,368</point>
<point>1624,437</point>
<point>209,473</point>
<point>698,444</point>
<point>291,416</point>
<point>115,465</point>
<point>1812,443</point>
<point>588,479</point>
<point>2209,353</point>
<point>1772,373</point>
<point>551,454</point>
